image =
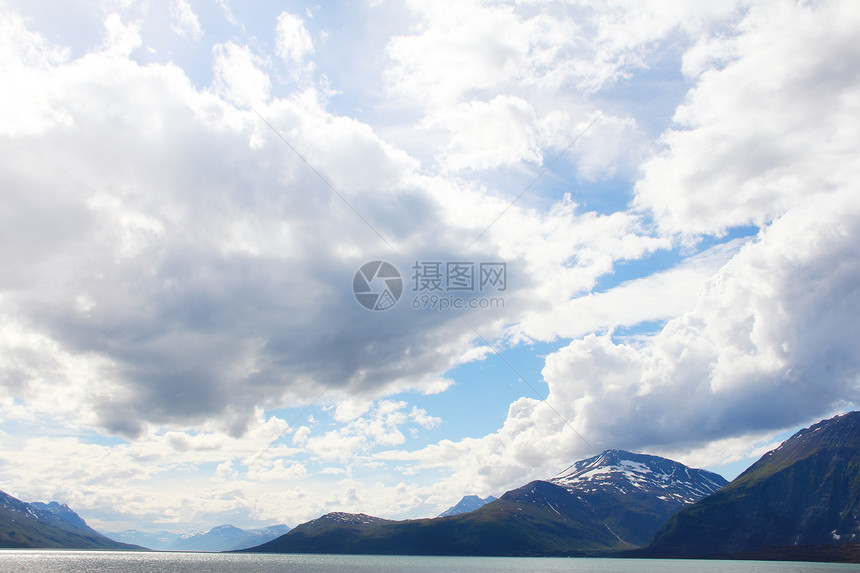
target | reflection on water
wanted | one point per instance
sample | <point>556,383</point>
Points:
<point>47,561</point>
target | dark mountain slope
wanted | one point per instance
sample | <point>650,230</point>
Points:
<point>50,526</point>
<point>805,492</point>
<point>539,518</point>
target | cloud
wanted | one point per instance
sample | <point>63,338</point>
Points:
<point>758,352</point>
<point>769,342</point>
<point>293,40</point>
<point>423,419</point>
<point>228,13</point>
<point>764,128</point>
<point>173,261</point>
<point>181,264</point>
<point>146,478</point>
<point>457,49</point>
<point>278,471</point>
<point>656,297</point>
<point>27,109</point>
<point>492,80</point>
<point>379,425</point>
<point>120,39</point>
<point>184,21</point>
<point>488,134</point>
<point>301,435</point>
<point>463,48</point>
<point>238,76</point>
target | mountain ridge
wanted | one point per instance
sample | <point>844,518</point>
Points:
<point>48,526</point>
<point>466,504</point>
<point>539,518</point>
<point>220,538</point>
<point>806,492</point>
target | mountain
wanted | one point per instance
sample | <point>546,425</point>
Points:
<point>467,504</point>
<point>228,538</point>
<point>504,527</point>
<point>255,537</point>
<point>806,492</point>
<point>635,494</point>
<point>580,512</point>
<point>159,541</point>
<point>61,512</point>
<point>49,526</point>
<point>221,538</point>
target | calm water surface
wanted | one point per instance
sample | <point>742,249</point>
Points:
<point>19,561</point>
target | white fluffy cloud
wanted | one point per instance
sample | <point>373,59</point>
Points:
<point>491,77</point>
<point>489,134</point>
<point>238,77</point>
<point>657,297</point>
<point>184,21</point>
<point>293,40</point>
<point>181,263</point>
<point>770,341</point>
<point>760,350</point>
<point>765,127</point>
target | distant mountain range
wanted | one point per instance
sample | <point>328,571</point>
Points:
<point>221,538</point>
<point>800,501</point>
<point>467,504</point>
<point>613,501</point>
<point>48,525</point>
<point>55,526</point>
<point>804,494</point>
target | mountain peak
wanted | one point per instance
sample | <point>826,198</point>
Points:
<point>467,504</point>
<point>61,512</point>
<point>624,471</point>
<point>221,529</point>
<point>636,492</point>
<point>348,518</point>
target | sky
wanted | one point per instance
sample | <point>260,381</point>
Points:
<point>603,225</point>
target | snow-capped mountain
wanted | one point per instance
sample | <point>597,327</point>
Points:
<point>635,494</point>
<point>467,504</point>
<point>623,472</point>
<point>341,518</point>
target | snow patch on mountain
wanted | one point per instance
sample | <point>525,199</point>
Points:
<point>349,518</point>
<point>625,471</point>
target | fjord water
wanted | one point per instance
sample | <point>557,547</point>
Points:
<point>47,561</point>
